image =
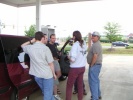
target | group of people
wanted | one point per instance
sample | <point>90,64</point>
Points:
<point>45,68</point>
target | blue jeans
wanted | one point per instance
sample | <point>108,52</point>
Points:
<point>46,85</point>
<point>94,82</point>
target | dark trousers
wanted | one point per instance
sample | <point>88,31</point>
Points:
<point>76,86</point>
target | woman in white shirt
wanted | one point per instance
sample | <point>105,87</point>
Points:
<point>77,59</point>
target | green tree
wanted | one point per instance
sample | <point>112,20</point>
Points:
<point>85,38</point>
<point>31,31</point>
<point>68,38</point>
<point>111,31</point>
<point>119,37</point>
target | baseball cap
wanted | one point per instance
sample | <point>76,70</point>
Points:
<point>96,34</point>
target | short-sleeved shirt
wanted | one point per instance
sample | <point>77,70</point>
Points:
<point>53,49</point>
<point>96,48</point>
<point>40,56</point>
<point>56,65</point>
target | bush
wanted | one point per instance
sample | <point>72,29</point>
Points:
<point>130,40</point>
<point>104,40</point>
<point>129,47</point>
<point>124,41</point>
<point>31,31</point>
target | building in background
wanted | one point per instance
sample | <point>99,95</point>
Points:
<point>48,30</point>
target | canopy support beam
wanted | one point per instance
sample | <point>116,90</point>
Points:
<point>38,15</point>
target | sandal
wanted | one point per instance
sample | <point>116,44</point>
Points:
<point>85,93</point>
<point>74,92</point>
<point>58,91</point>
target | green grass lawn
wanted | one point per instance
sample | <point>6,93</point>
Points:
<point>108,51</point>
<point>106,44</point>
<point>118,51</point>
<point>109,44</point>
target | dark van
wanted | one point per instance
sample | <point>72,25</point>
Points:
<point>15,82</point>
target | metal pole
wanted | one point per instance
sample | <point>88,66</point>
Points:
<point>0,26</point>
<point>17,21</point>
<point>38,13</point>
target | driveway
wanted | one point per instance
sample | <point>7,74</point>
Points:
<point>116,80</point>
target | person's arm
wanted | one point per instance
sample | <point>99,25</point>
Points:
<point>95,51</point>
<point>52,69</point>
<point>73,53</point>
<point>94,58</point>
<point>58,73</point>
<point>70,59</point>
<point>28,42</point>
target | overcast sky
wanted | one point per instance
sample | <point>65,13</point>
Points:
<point>83,16</point>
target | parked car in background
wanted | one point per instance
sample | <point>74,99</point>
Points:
<point>120,43</point>
<point>15,81</point>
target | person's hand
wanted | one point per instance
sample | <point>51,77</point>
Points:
<point>33,40</point>
<point>90,65</point>
<point>55,77</point>
<point>57,59</point>
<point>59,53</point>
<point>68,57</point>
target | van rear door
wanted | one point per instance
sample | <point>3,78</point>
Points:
<point>18,69</point>
<point>5,83</point>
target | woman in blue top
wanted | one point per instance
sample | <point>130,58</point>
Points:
<point>77,58</point>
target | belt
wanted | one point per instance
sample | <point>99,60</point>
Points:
<point>97,64</point>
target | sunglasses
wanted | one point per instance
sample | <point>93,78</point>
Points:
<point>94,35</point>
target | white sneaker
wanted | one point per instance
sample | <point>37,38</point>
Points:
<point>57,97</point>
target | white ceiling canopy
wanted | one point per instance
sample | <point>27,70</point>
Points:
<point>22,3</point>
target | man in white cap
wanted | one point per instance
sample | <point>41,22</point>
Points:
<point>94,59</point>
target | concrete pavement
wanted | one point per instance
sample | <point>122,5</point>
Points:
<point>116,80</point>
